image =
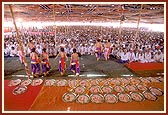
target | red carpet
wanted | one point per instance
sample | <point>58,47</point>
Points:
<point>19,102</point>
<point>145,66</point>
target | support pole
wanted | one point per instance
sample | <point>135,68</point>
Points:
<point>20,43</point>
<point>136,34</point>
<point>55,28</point>
<point>119,36</point>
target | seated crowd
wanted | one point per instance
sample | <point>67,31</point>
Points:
<point>147,47</point>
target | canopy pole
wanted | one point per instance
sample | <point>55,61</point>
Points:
<point>55,28</point>
<point>136,34</point>
<point>20,43</point>
<point>119,36</point>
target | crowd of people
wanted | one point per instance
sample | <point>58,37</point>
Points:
<point>91,40</point>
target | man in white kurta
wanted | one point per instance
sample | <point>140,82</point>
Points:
<point>124,57</point>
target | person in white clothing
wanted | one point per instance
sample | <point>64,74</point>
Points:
<point>148,56</point>
<point>39,50</point>
<point>13,52</point>
<point>158,57</point>
<point>141,57</point>
<point>6,51</point>
<point>124,57</point>
<point>136,54</point>
<point>131,56</point>
<point>119,52</point>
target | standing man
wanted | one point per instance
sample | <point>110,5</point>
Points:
<point>74,63</point>
<point>62,64</point>
<point>35,63</point>
<point>107,50</point>
<point>45,62</point>
<point>98,49</point>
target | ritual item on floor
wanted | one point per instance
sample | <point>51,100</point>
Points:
<point>104,82</point>
<point>149,95</point>
<point>115,82</point>
<point>125,81</point>
<point>84,82</point>
<point>141,87</point>
<point>136,96</point>
<point>95,89</point>
<point>26,82</point>
<point>94,82</point>
<point>110,98</point>
<point>119,89</point>
<point>72,83</point>
<point>14,82</point>
<point>135,81</point>
<point>96,98</point>
<point>49,82</point>
<point>79,90</point>
<point>161,79</point>
<point>20,90</point>
<point>69,97</point>
<point>144,80</point>
<point>61,82</point>
<point>156,91</point>
<point>83,99</point>
<point>152,79</point>
<point>37,82</point>
<point>107,89</point>
<point>124,97</point>
<point>130,88</point>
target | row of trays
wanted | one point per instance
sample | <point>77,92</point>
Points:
<point>86,82</point>
<point>151,94</point>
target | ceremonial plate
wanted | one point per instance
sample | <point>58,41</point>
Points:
<point>104,82</point>
<point>142,87</point>
<point>137,96</point>
<point>135,81</point>
<point>156,91</point>
<point>94,82</point>
<point>49,82</point>
<point>161,79</point>
<point>19,90</point>
<point>107,89</point>
<point>14,82</point>
<point>124,81</point>
<point>119,89</point>
<point>123,97</point>
<point>115,82</point>
<point>153,79</point>
<point>72,83</point>
<point>144,80</point>
<point>61,82</point>
<point>69,97</point>
<point>83,99</point>
<point>130,88</point>
<point>79,90</point>
<point>37,82</point>
<point>96,98</point>
<point>95,89</point>
<point>84,82</point>
<point>26,82</point>
<point>110,98</point>
<point>149,96</point>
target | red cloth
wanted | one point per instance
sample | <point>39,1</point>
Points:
<point>136,66</point>
<point>63,63</point>
<point>20,102</point>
